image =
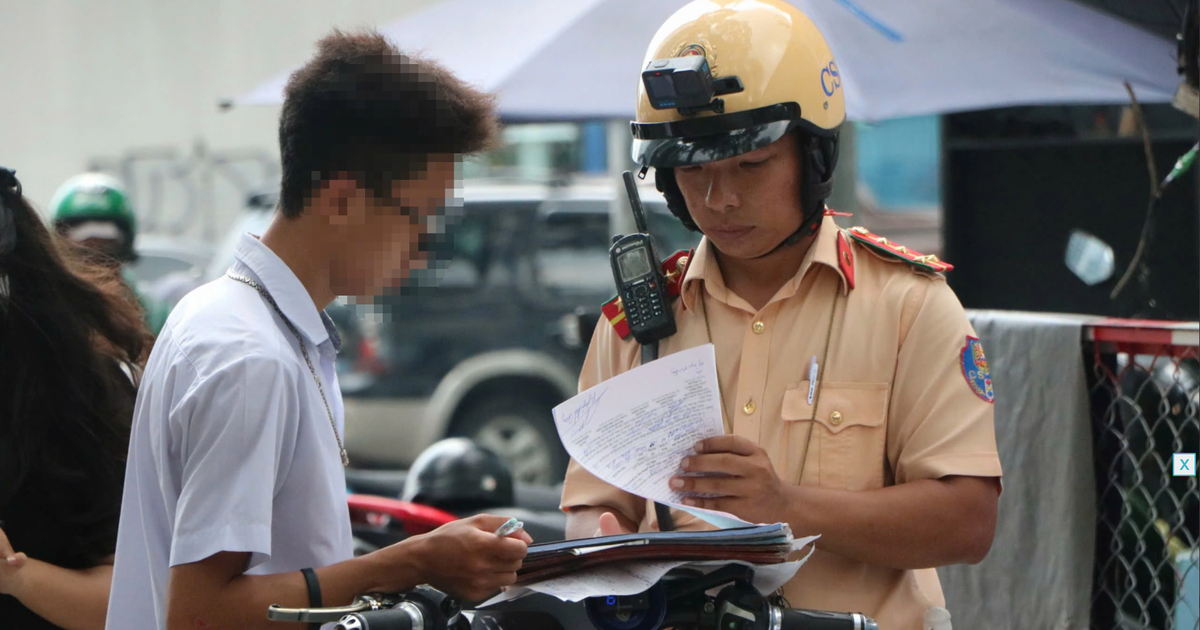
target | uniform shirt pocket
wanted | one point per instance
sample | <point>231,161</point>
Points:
<point>847,433</point>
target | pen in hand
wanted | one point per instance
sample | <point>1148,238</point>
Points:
<point>510,527</point>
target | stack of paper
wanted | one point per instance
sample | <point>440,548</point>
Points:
<point>635,576</point>
<point>764,544</point>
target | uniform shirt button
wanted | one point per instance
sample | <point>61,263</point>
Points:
<point>749,408</point>
<point>835,418</point>
<point>759,327</point>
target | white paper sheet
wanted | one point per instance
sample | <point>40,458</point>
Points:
<point>627,578</point>
<point>634,429</point>
<point>614,579</point>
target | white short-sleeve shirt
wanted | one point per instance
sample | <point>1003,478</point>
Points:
<point>231,446</point>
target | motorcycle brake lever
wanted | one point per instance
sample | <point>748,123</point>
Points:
<point>324,615</point>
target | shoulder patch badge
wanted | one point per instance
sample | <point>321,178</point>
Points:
<point>888,249</point>
<point>673,269</point>
<point>975,370</point>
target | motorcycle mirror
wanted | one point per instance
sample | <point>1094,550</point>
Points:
<point>1089,258</point>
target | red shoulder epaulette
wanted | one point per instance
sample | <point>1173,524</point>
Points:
<point>673,270</point>
<point>888,249</point>
<point>845,258</point>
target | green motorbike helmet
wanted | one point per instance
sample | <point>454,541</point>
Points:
<point>96,206</point>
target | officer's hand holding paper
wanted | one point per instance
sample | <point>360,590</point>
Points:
<point>633,430</point>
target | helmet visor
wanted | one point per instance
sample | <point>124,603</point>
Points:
<point>672,152</point>
<point>711,138</point>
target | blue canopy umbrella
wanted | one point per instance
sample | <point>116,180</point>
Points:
<point>554,60</point>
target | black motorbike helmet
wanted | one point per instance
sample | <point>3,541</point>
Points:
<point>459,476</point>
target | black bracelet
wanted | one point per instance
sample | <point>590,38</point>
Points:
<point>314,593</point>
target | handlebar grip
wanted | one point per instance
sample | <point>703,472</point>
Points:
<point>797,619</point>
<point>405,616</point>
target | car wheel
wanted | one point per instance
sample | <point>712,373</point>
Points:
<point>521,431</point>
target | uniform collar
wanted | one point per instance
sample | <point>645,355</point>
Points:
<point>704,270</point>
<point>278,279</point>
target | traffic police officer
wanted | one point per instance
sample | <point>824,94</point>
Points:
<point>890,453</point>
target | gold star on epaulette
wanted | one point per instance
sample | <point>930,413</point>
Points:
<point>680,265</point>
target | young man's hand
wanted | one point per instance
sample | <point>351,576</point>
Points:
<point>465,557</point>
<point>609,525</point>
<point>10,564</point>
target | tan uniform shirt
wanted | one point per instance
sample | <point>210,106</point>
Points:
<point>895,401</point>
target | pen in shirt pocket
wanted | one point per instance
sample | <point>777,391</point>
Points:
<point>812,379</point>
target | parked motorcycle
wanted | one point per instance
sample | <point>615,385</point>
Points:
<point>452,479</point>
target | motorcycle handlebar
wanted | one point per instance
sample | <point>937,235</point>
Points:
<point>422,608</point>
<point>798,619</point>
<point>405,616</point>
<point>409,616</point>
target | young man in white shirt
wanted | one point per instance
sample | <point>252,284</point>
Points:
<point>234,489</point>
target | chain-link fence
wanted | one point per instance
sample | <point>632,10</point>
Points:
<point>1145,391</point>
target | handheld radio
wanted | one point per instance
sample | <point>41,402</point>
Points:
<point>639,278</point>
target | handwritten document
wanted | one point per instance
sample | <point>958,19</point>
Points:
<point>634,429</point>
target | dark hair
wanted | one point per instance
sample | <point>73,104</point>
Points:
<point>362,107</point>
<point>67,325</point>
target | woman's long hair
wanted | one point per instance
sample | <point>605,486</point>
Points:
<point>70,329</point>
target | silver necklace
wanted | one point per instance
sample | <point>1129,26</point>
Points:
<point>303,350</point>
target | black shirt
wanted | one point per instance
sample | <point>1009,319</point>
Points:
<point>66,508</point>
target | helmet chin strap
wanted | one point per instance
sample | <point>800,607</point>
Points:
<point>800,234</point>
<point>816,188</point>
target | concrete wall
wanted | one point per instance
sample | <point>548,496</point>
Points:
<point>90,80</point>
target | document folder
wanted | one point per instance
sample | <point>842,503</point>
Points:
<point>760,544</point>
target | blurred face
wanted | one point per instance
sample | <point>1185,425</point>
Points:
<point>109,247</point>
<point>380,239</point>
<point>748,204</point>
<point>97,235</point>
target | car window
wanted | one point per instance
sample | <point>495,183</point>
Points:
<point>571,250</point>
<point>669,233</point>
<point>573,238</point>
<point>470,264</point>
<point>471,252</point>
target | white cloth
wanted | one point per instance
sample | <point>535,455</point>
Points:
<point>232,448</point>
<point>1039,571</point>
